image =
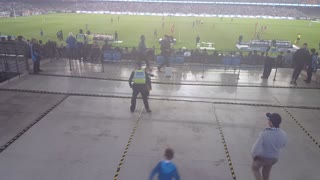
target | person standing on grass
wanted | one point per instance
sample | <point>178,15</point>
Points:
<point>116,36</point>
<point>166,169</point>
<point>265,152</point>
<point>155,34</point>
<point>197,39</point>
<point>298,39</point>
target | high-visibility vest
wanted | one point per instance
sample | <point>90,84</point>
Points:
<point>139,77</point>
<point>273,52</point>
<point>90,39</point>
<point>80,38</point>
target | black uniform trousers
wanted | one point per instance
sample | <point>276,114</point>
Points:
<point>296,72</point>
<point>165,62</point>
<point>81,51</point>
<point>139,88</point>
<point>71,53</point>
<point>309,73</point>
<point>36,65</point>
<point>268,64</point>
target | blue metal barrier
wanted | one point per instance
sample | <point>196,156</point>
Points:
<point>229,60</point>
<point>172,59</point>
<point>111,56</point>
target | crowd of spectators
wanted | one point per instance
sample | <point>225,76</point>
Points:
<point>156,7</point>
<point>173,8</point>
<point>25,9</point>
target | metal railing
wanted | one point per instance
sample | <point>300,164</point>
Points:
<point>12,60</point>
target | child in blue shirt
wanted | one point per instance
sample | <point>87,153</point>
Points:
<point>166,169</point>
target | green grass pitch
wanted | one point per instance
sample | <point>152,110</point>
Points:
<point>224,33</point>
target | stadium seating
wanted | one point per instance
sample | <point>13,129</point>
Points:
<point>164,7</point>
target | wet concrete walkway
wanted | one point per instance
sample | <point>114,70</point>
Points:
<point>59,126</point>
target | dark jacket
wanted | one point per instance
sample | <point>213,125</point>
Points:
<point>71,42</point>
<point>35,50</point>
<point>301,57</point>
<point>165,47</point>
<point>142,48</point>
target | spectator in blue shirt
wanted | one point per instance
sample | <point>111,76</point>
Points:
<point>265,152</point>
<point>166,169</point>
<point>71,46</point>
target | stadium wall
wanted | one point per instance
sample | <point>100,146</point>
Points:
<point>187,15</point>
<point>213,2</point>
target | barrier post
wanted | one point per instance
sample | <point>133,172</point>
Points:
<point>202,70</point>
<point>239,71</point>
<point>275,74</point>
<point>70,64</point>
<point>26,60</point>
<point>6,68</point>
<point>17,66</point>
<point>102,65</point>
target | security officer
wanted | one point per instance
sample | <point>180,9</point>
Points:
<point>140,80</point>
<point>89,43</point>
<point>298,38</point>
<point>81,38</point>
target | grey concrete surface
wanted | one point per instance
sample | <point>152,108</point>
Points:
<point>194,136</point>
<point>80,139</point>
<point>85,137</point>
<point>18,110</point>
<point>242,127</point>
<point>298,97</point>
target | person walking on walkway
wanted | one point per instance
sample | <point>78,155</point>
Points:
<point>35,51</point>
<point>269,61</point>
<point>141,83</point>
<point>300,57</point>
<point>166,169</point>
<point>265,152</point>
<point>165,47</point>
<point>142,50</point>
